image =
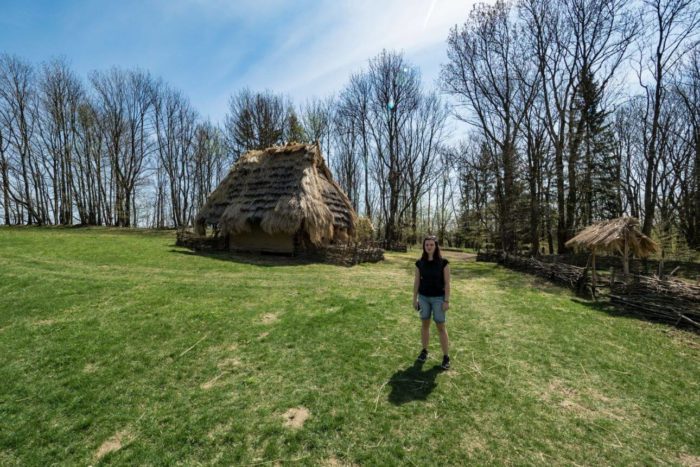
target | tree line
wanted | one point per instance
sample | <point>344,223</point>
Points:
<point>575,111</point>
<point>580,110</point>
<point>75,152</point>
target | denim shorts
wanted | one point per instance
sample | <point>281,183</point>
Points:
<point>432,305</point>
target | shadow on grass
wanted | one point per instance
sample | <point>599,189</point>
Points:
<point>412,384</point>
<point>478,270</point>
<point>603,306</point>
<point>93,229</point>
<point>264,260</point>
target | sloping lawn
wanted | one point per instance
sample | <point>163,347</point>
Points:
<point>118,347</point>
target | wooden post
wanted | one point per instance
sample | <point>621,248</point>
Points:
<point>593,281</point>
<point>625,259</point>
<point>612,278</point>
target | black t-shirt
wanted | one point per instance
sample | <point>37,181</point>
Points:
<point>432,277</point>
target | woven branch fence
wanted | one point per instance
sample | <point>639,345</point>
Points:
<point>345,255</point>
<point>667,300</point>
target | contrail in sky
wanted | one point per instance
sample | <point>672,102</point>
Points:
<point>430,12</point>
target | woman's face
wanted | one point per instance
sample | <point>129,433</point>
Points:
<point>429,246</point>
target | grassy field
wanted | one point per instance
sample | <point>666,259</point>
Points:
<point>118,347</point>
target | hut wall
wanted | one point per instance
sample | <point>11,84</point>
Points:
<point>199,242</point>
<point>259,240</point>
<point>343,255</point>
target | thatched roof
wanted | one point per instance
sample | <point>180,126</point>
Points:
<point>280,188</point>
<point>610,236</point>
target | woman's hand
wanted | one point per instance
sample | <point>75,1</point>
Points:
<point>445,306</point>
<point>416,305</point>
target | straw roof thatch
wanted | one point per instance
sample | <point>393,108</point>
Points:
<point>610,236</point>
<point>283,189</point>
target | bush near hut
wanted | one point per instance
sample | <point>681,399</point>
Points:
<point>364,230</point>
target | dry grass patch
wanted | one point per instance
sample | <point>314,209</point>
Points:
<point>295,418</point>
<point>45,322</point>
<point>472,444</point>
<point>113,444</point>
<point>689,460</point>
<point>210,384</point>
<point>90,368</point>
<point>589,403</point>
<point>218,430</point>
<point>269,318</point>
<point>228,363</point>
<point>684,338</point>
<point>335,462</point>
<point>227,347</point>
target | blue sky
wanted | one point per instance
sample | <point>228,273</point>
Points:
<point>211,48</point>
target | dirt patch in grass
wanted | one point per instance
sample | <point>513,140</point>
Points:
<point>689,460</point>
<point>115,443</point>
<point>210,384</point>
<point>559,388</point>
<point>263,335</point>
<point>228,363</point>
<point>473,444</point>
<point>458,255</point>
<point>588,404</point>
<point>295,418</point>
<point>686,338</point>
<point>269,318</point>
<point>90,368</point>
<point>335,462</point>
<point>45,322</point>
<point>218,431</point>
<point>223,348</point>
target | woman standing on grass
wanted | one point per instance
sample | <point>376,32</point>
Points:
<point>431,295</point>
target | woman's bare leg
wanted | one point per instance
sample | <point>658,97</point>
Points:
<point>444,341</point>
<point>425,333</point>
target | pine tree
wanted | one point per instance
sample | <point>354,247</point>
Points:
<point>600,171</point>
<point>295,131</point>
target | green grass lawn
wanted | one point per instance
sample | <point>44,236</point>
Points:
<point>118,347</point>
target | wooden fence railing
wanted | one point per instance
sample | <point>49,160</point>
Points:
<point>668,300</point>
<point>343,254</point>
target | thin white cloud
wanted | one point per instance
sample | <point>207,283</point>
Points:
<point>323,46</point>
<point>430,13</point>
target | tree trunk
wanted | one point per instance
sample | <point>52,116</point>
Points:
<point>561,205</point>
<point>695,240</point>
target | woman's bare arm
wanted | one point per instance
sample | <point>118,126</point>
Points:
<point>416,284</point>
<point>446,273</point>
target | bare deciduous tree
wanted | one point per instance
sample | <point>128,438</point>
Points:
<point>175,126</point>
<point>124,99</point>
<point>490,73</point>
<point>255,121</point>
<point>675,23</point>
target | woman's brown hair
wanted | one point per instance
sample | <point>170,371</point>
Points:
<point>436,254</point>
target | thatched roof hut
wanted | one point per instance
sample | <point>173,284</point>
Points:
<point>611,236</point>
<point>617,235</point>
<point>280,199</point>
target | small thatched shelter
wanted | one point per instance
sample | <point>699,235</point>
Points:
<point>617,235</point>
<point>282,199</point>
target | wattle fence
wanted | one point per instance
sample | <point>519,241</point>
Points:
<point>668,300</point>
<point>344,255</point>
